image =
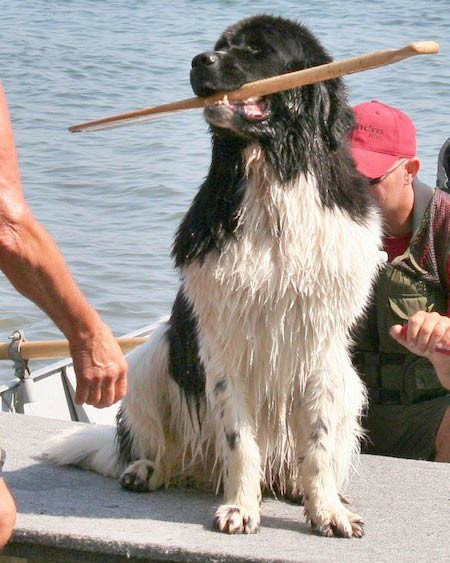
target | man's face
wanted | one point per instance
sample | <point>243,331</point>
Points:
<point>394,192</point>
<point>389,190</point>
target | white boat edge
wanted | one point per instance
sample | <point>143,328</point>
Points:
<point>49,392</point>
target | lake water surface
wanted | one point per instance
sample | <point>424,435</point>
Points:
<point>113,199</point>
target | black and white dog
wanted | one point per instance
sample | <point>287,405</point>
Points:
<point>249,385</point>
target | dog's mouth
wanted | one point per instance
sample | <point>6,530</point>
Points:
<point>250,109</point>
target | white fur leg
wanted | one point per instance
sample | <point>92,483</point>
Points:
<point>241,464</point>
<point>329,424</point>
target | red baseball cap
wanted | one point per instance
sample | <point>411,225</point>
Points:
<point>381,136</point>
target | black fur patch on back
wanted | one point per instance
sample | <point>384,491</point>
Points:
<point>185,366</point>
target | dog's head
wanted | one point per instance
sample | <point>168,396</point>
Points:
<point>302,132</point>
<point>261,47</point>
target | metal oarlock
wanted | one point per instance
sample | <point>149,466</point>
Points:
<point>21,369</point>
<point>20,365</point>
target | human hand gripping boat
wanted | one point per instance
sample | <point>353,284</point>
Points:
<point>50,391</point>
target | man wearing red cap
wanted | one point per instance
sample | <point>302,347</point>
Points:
<point>402,342</point>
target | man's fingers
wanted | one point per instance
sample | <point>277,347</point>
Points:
<point>82,393</point>
<point>101,391</point>
<point>101,374</point>
<point>113,388</point>
<point>95,393</point>
<point>121,386</point>
<point>108,394</point>
<point>88,391</point>
<point>429,329</point>
<point>424,333</point>
<point>399,333</point>
<point>437,334</point>
<point>414,326</point>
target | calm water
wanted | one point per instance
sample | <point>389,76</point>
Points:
<point>113,199</point>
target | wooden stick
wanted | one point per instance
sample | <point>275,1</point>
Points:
<point>267,85</point>
<point>47,349</point>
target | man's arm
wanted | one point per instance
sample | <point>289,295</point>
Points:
<point>32,262</point>
<point>425,334</point>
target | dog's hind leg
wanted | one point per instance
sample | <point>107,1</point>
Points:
<point>240,457</point>
<point>141,422</point>
<point>327,422</point>
<point>139,456</point>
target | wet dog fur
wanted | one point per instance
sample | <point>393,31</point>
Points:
<point>249,384</point>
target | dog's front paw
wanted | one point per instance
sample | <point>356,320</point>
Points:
<point>140,477</point>
<point>336,522</point>
<point>235,519</point>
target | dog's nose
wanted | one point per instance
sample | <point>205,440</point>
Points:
<point>208,58</point>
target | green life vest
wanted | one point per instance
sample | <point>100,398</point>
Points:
<point>414,281</point>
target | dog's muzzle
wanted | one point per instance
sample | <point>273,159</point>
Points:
<point>205,74</point>
<point>207,79</point>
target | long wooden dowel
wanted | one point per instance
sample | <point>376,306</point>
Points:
<point>48,349</point>
<point>267,86</point>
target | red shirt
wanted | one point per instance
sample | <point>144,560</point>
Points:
<point>394,246</point>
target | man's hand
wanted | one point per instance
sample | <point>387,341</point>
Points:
<point>101,370</point>
<point>428,335</point>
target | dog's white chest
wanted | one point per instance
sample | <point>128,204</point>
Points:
<point>293,260</point>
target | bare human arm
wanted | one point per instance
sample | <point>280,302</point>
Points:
<point>31,260</point>
<point>427,333</point>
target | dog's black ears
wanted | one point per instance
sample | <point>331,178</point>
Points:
<point>334,116</point>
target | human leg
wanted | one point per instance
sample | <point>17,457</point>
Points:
<point>7,513</point>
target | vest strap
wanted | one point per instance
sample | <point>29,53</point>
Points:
<point>398,378</point>
<point>383,396</point>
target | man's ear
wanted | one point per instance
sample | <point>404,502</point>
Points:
<point>413,166</point>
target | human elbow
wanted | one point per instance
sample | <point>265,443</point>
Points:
<point>15,221</point>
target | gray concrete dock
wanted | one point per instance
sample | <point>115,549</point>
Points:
<point>67,514</point>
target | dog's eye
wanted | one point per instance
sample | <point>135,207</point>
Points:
<point>257,49</point>
<point>292,66</point>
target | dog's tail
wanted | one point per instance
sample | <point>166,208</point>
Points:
<point>91,447</point>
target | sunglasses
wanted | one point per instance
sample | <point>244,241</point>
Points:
<point>374,181</point>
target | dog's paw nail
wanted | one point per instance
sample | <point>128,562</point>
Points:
<point>324,529</point>
<point>131,482</point>
<point>139,477</point>
<point>340,525</point>
<point>357,526</point>
<point>233,519</point>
